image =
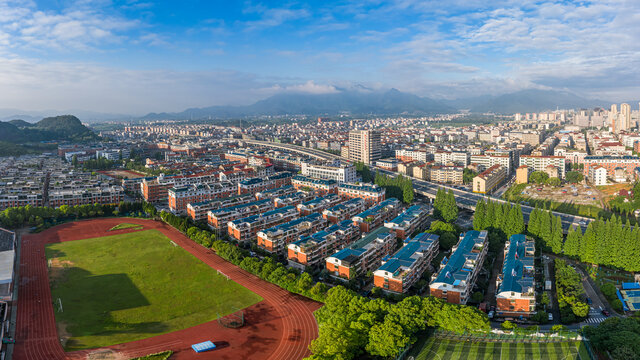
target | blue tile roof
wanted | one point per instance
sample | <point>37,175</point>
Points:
<point>518,268</point>
<point>405,257</point>
<point>454,269</point>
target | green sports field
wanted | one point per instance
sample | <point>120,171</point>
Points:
<point>437,349</point>
<point>132,286</point>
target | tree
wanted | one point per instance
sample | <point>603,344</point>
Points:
<point>556,235</point>
<point>508,325</point>
<point>574,177</point>
<point>538,177</point>
<point>479,215</point>
<point>554,181</point>
<point>572,243</point>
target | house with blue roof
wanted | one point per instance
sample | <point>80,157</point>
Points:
<point>276,238</point>
<point>311,250</point>
<point>363,255</point>
<point>370,193</point>
<point>320,186</point>
<point>245,229</point>
<point>219,218</point>
<point>274,193</point>
<point>457,275</point>
<point>318,205</point>
<point>412,219</point>
<point>344,211</point>
<point>516,294</point>
<point>198,210</point>
<point>400,271</point>
<point>376,215</point>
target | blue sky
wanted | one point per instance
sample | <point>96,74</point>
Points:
<point>134,57</point>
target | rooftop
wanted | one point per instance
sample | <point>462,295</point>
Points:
<point>518,270</point>
<point>462,261</point>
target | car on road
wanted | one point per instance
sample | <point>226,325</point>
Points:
<point>550,317</point>
<point>605,312</point>
<point>589,301</point>
<point>582,222</point>
<point>490,314</point>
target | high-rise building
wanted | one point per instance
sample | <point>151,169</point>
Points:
<point>625,114</point>
<point>613,117</point>
<point>364,146</point>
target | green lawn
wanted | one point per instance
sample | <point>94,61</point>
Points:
<point>126,226</point>
<point>121,288</point>
<point>431,348</point>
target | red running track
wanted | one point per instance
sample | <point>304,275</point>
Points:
<point>280,327</point>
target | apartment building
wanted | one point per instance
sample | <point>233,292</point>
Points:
<point>318,205</point>
<point>180,197</point>
<point>274,193</point>
<point>320,186</point>
<point>312,250</point>
<point>294,199</point>
<point>344,211</point>
<point>516,295</point>
<point>197,211</point>
<point>156,189</point>
<point>489,180</point>
<point>412,219</point>
<point>451,157</point>
<point>334,171</point>
<point>388,164</point>
<point>86,196</point>
<point>486,161</point>
<point>20,199</point>
<point>540,163</point>
<point>403,269</point>
<point>413,155</point>
<point>255,185</point>
<point>219,218</point>
<point>610,163</point>
<point>457,275</point>
<point>276,239</point>
<point>447,174</point>
<point>597,175</point>
<point>362,256</point>
<point>245,229</point>
<point>377,215</point>
<point>371,194</point>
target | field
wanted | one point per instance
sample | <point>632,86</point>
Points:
<point>432,348</point>
<point>125,226</point>
<point>122,288</point>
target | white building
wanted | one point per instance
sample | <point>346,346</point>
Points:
<point>598,175</point>
<point>337,171</point>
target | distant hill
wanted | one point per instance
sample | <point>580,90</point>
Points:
<point>341,102</point>
<point>531,100</point>
<point>65,127</point>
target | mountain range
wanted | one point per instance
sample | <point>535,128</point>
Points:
<point>356,101</point>
<point>387,103</point>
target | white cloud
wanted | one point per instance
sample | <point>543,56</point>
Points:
<point>272,17</point>
<point>309,87</point>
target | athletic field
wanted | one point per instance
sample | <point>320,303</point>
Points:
<point>127,287</point>
<point>437,349</point>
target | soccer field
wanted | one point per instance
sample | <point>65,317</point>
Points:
<point>127,287</point>
<point>438,349</point>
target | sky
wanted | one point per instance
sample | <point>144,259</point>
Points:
<point>135,57</point>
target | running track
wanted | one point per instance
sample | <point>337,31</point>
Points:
<point>277,328</point>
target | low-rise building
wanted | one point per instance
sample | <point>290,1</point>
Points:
<point>516,294</point>
<point>371,194</point>
<point>294,199</point>
<point>412,219</point>
<point>274,193</point>
<point>487,181</point>
<point>180,197</point>
<point>86,196</point>
<point>377,215</point>
<point>337,171</point>
<point>197,211</point>
<point>318,205</point>
<point>401,271</point>
<point>540,163</point>
<point>320,186</point>
<point>597,175</point>
<point>255,185</point>
<point>219,218</point>
<point>447,174</point>
<point>363,255</point>
<point>522,174</point>
<point>344,211</point>
<point>276,239</point>
<point>457,275</point>
<point>311,250</point>
<point>245,229</point>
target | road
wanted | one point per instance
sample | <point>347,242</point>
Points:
<point>465,199</point>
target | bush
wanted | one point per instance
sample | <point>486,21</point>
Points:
<point>508,325</point>
<point>616,305</point>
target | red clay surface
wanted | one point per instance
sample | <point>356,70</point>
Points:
<point>278,328</point>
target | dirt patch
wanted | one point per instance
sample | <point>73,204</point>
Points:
<point>57,268</point>
<point>106,354</point>
<point>63,334</point>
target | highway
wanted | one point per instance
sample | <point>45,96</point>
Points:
<point>464,199</point>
